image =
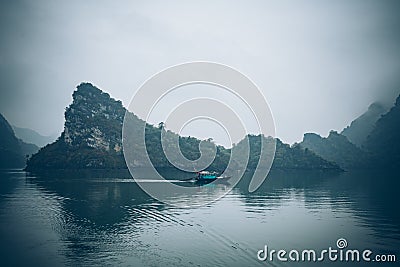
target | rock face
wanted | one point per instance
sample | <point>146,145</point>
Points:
<point>91,136</point>
<point>13,151</point>
<point>359,129</point>
<point>336,148</point>
<point>94,120</point>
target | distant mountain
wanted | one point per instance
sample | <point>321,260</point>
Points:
<point>13,151</point>
<point>384,140</point>
<point>374,136</point>
<point>336,148</point>
<point>92,140</point>
<point>33,137</point>
<point>361,127</point>
<point>286,156</point>
<point>28,149</point>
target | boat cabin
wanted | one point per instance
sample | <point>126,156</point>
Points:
<point>206,175</point>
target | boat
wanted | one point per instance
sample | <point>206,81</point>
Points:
<point>207,176</point>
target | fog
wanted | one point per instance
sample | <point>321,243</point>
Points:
<point>319,63</point>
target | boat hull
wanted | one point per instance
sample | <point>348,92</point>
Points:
<point>210,180</point>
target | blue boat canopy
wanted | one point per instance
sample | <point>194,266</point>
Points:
<point>206,175</point>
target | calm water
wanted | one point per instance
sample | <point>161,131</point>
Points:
<point>101,219</point>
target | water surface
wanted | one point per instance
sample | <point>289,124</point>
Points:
<point>81,219</point>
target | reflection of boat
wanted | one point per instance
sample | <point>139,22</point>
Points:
<point>206,176</point>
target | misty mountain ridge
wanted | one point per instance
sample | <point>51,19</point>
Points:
<point>384,141</point>
<point>33,137</point>
<point>286,156</point>
<point>92,140</point>
<point>359,129</point>
<point>336,148</point>
<point>371,141</point>
<point>13,151</point>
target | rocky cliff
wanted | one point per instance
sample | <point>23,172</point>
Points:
<point>94,120</point>
<point>91,136</point>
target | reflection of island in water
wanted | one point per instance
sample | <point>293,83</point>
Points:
<point>105,218</point>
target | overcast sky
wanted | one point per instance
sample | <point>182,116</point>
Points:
<point>319,63</point>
